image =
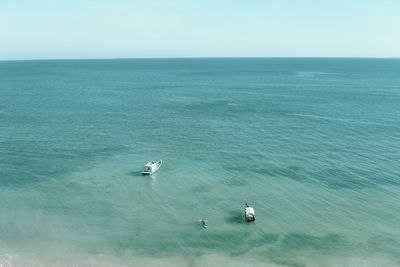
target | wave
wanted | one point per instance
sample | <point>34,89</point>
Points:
<point>334,119</point>
<point>311,74</point>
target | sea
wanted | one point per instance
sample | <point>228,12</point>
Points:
<point>313,144</point>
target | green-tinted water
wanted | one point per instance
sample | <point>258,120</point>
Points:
<point>312,144</point>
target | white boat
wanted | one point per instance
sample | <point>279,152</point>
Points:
<point>249,213</point>
<point>151,167</point>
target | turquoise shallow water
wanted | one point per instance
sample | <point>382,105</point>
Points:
<point>312,144</point>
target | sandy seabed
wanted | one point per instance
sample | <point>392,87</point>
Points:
<point>204,260</point>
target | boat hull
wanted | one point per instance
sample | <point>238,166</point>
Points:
<point>250,219</point>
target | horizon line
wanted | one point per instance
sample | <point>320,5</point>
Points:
<point>222,57</point>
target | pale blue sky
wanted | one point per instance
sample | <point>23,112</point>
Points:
<point>43,29</point>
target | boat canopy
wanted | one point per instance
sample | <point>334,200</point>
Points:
<point>249,210</point>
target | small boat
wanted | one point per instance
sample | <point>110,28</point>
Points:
<point>151,167</point>
<point>249,213</point>
<point>203,222</point>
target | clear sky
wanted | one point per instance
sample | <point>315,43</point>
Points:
<point>43,29</point>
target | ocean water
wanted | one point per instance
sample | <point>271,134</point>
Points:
<point>312,144</point>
